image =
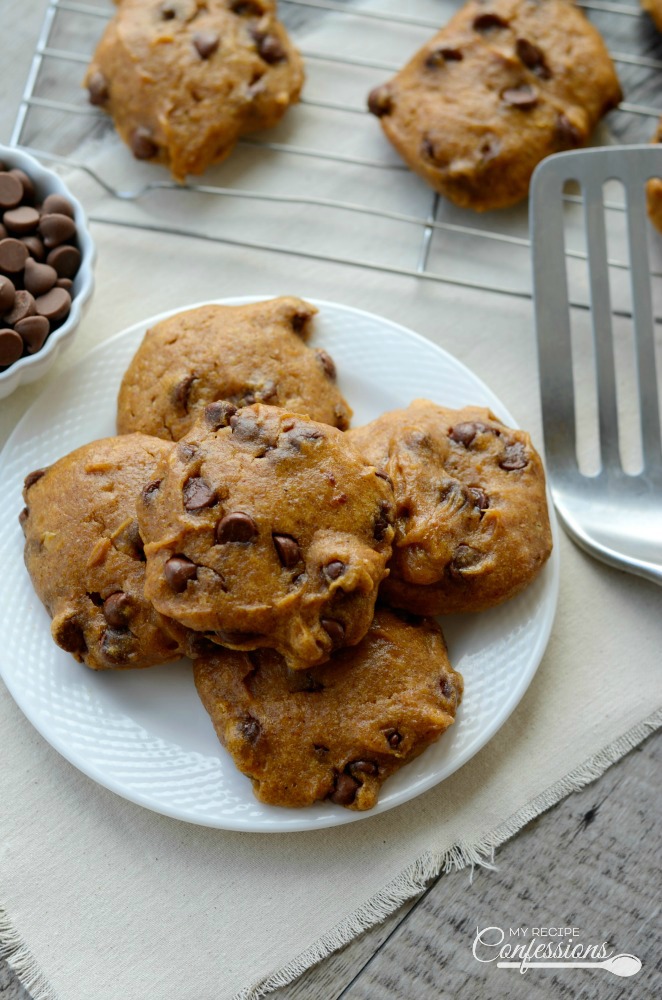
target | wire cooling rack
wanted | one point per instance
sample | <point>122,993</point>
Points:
<point>343,179</point>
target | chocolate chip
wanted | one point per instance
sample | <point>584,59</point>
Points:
<point>229,637</point>
<point>236,527</point>
<point>479,497</point>
<point>568,135</point>
<point>427,148</point>
<point>523,97</point>
<point>148,492</point>
<point>385,477</point>
<point>32,478</point>
<point>26,183</point>
<point>218,414</point>
<point>335,569</point>
<point>13,255</point>
<point>65,283</point>
<point>514,457</point>
<point>178,571</point>
<point>320,749</point>
<point>464,433</point>
<point>35,247</point>
<point>56,228</point>
<point>447,688</point>
<point>327,363</point>
<point>54,305</point>
<point>69,636</point>
<point>168,11</point>
<point>533,58</point>
<point>34,330</point>
<point>334,629</point>
<point>393,738</point>
<point>65,260</point>
<point>288,550</point>
<point>206,43</point>
<point>142,145</point>
<point>97,89</point>
<point>38,278</point>
<point>117,645</point>
<point>198,494</point>
<point>250,729</point>
<point>382,521</point>
<point>182,390</point>
<point>11,190</point>
<point>269,48</point>
<point>22,518</point>
<point>363,767</point>
<point>11,347</point>
<point>186,452</point>
<point>439,57</point>
<point>58,204</point>
<point>116,609</point>
<point>380,101</point>
<point>464,558</point>
<point>22,220</point>
<point>246,8</point>
<point>24,305</point>
<point>489,22</point>
<point>345,790</point>
<point>7,294</point>
<point>299,321</point>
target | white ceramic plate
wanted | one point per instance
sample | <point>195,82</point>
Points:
<point>144,734</point>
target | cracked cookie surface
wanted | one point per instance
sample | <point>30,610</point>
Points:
<point>184,79</point>
<point>85,557</point>
<point>503,85</point>
<point>472,524</point>
<point>339,730</point>
<point>243,354</point>
<point>265,529</point>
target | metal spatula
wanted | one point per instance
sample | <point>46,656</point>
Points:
<point>614,516</point>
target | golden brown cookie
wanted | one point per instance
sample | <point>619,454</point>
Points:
<point>244,354</point>
<point>85,556</point>
<point>654,189</point>
<point>339,730</point>
<point>472,526</point>
<point>503,85</point>
<point>184,79</point>
<point>265,529</point>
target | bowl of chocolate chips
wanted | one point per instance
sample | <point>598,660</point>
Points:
<point>46,260</point>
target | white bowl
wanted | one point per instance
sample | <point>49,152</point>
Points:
<point>46,182</point>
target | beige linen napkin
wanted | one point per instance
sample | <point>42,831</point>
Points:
<point>96,890</point>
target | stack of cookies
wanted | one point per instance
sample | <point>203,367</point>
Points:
<point>235,519</point>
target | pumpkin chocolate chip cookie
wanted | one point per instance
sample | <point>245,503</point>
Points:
<point>339,730</point>
<point>472,526</point>
<point>504,84</point>
<point>184,79</point>
<point>85,556</point>
<point>263,528</point>
<point>242,354</point>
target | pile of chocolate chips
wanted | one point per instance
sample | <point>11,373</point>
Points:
<point>39,259</point>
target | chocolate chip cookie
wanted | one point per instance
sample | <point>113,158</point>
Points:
<point>472,526</point>
<point>85,556</point>
<point>339,730</point>
<point>184,79</point>
<point>263,528</point>
<point>243,354</point>
<point>654,8</point>
<point>504,84</point>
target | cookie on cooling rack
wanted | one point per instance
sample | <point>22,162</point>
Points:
<point>339,730</point>
<point>654,8</point>
<point>242,354</point>
<point>504,84</point>
<point>263,528</point>
<point>472,525</point>
<point>85,556</point>
<point>183,79</point>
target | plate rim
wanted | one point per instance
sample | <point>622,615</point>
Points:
<point>303,821</point>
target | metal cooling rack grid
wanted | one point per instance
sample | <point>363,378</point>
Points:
<point>450,245</point>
